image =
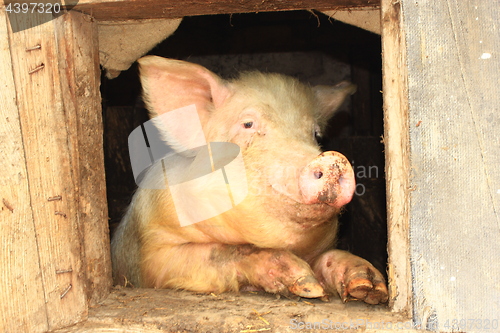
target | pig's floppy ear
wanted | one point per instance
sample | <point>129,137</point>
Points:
<point>331,97</point>
<point>182,95</point>
<point>170,84</point>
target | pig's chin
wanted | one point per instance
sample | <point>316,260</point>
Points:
<point>312,215</point>
<point>304,214</point>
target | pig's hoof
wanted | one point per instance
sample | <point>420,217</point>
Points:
<point>363,283</point>
<point>352,277</point>
<point>308,287</point>
<point>277,272</point>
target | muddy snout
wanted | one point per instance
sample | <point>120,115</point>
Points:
<point>329,178</point>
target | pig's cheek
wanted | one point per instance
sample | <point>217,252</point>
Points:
<point>284,179</point>
<point>256,189</point>
<point>254,184</point>
<point>241,136</point>
<point>244,140</point>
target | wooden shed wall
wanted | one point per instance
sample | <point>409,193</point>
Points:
<point>453,65</point>
<point>54,243</point>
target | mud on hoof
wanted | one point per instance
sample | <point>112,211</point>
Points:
<point>351,277</point>
<point>363,283</point>
<point>277,272</point>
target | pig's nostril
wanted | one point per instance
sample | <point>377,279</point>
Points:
<point>318,174</point>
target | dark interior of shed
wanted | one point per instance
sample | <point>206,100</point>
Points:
<point>307,45</point>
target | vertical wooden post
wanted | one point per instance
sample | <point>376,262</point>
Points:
<point>22,293</point>
<point>81,77</point>
<point>396,139</point>
<point>53,192</point>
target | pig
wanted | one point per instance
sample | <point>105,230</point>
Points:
<point>280,238</point>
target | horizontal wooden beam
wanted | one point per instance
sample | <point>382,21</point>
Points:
<point>164,310</point>
<point>106,10</point>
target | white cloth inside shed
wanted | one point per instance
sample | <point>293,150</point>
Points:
<point>121,43</point>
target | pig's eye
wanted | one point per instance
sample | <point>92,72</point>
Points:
<point>248,124</point>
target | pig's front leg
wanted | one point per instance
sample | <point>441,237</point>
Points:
<point>350,276</point>
<point>214,267</point>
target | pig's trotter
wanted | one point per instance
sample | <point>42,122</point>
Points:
<point>364,283</point>
<point>307,286</point>
<point>279,272</point>
<point>352,277</point>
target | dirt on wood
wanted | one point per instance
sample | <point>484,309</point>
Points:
<point>151,310</point>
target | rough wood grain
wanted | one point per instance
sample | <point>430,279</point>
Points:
<point>55,71</point>
<point>48,148</point>
<point>82,102</point>
<point>365,18</point>
<point>142,9</point>
<point>21,295</point>
<point>453,60</point>
<point>396,154</point>
<point>162,310</point>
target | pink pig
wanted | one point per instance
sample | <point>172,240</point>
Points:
<point>281,236</point>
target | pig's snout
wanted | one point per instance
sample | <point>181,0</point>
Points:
<point>329,179</point>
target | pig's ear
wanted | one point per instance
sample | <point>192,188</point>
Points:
<point>331,97</point>
<point>172,84</point>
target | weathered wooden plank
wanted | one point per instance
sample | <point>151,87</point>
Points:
<point>48,147</point>
<point>454,98</point>
<point>22,297</point>
<point>56,75</point>
<point>365,18</point>
<point>142,9</point>
<point>163,310</point>
<point>80,80</point>
<point>396,142</point>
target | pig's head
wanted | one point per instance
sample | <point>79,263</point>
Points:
<point>274,119</point>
